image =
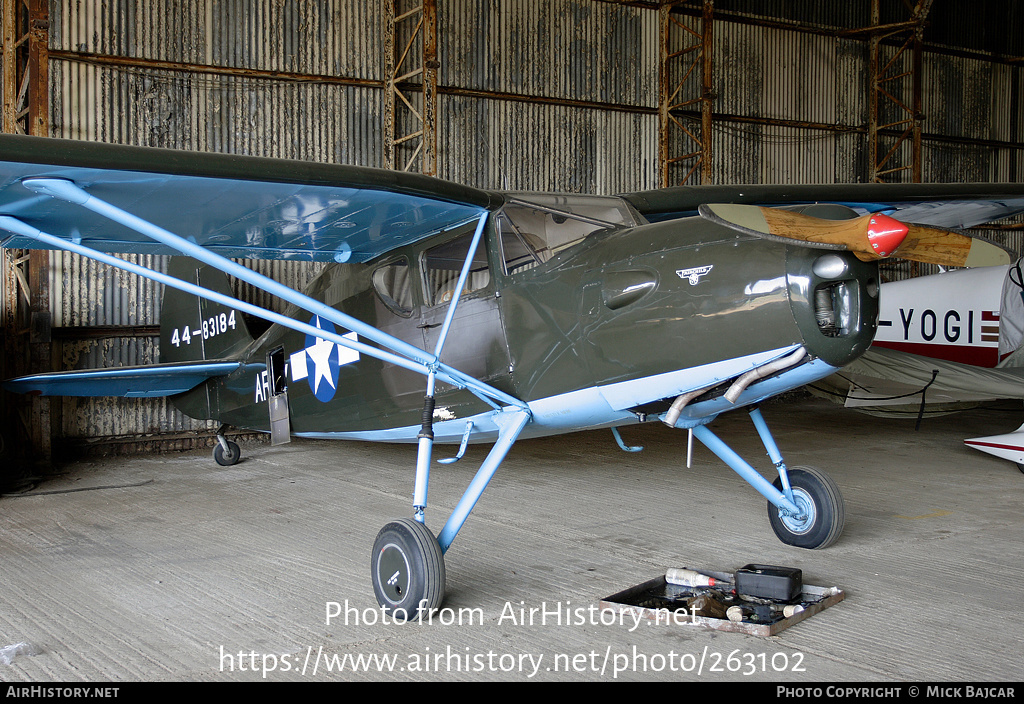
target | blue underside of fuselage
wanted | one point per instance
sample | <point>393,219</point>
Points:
<point>608,406</point>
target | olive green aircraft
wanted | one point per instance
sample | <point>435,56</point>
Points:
<point>458,315</point>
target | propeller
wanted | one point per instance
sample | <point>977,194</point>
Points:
<point>870,237</point>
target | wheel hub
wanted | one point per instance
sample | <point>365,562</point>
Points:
<point>805,520</point>
<point>393,573</point>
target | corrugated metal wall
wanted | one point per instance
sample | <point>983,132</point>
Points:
<point>534,95</point>
<point>797,80</point>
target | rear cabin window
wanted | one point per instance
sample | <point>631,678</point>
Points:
<point>443,264</point>
<point>394,287</point>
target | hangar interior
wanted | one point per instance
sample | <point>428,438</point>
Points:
<point>580,96</point>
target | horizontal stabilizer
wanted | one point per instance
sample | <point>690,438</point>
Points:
<point>148,381</point>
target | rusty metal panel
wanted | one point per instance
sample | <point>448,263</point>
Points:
<point>326,122</point>
<point>524,146</point>
<point>959,97</point>
<point>801,82</point>
<point>565,49</point>
<point>787,75</point>
<point>87,293</point>
<point>789,105</point>
<point>301,36</point>
<point>750,153</point>
<point>976,100</point>
<point>794,155</point>
<point>842,15</point>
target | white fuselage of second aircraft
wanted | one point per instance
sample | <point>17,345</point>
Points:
<point>952,316</point>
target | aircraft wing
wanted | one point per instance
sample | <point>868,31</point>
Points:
<point>99,199</point>
<point>238,207</point>
<point>953,205</point>
<point>128,382</point>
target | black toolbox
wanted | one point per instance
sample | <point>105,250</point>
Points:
<point>769,582</point>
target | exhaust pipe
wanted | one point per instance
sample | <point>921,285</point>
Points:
<point>738,386</point>
<point>741,384</point>
<point>672,415</point>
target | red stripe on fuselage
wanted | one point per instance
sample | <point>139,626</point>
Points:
<point>993,444</point>
<point>975,356</point>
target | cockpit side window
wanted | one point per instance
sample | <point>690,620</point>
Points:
<point>393,285</point>
<point>520,250</point>
<point>535,227</point>
<point>443,264</point>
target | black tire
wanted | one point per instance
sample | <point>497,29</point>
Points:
<point>1019,466</point>
<point>407,569</point>
<point>226,459</point>
<point>815,491</point>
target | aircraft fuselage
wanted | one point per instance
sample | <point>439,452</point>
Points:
<point>609,328</point>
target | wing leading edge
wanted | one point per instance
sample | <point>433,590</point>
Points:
<point>947,205</point>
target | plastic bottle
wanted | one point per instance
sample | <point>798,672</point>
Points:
<point>689,578</point>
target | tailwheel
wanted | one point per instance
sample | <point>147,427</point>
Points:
<point>407,568</point>
<point>824,514</point>
<point>228,457</point>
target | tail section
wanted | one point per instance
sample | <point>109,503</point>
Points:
<point>199,341</point>
<point>193,328</point>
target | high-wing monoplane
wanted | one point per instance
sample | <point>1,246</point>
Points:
<point>454,314</point>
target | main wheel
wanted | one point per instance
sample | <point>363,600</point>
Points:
<point>226,459</point>
<point>818,496</point>
<point>407,568</point>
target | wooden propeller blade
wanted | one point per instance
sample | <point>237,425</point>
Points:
<point>935,246</point>
<point>870,237</point>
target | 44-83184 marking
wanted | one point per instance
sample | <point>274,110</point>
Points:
<point>212,327</point>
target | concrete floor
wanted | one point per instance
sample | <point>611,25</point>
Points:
<point>208,573</point>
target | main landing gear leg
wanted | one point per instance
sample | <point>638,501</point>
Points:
<point>805,508</point>
<point>407,564</point>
